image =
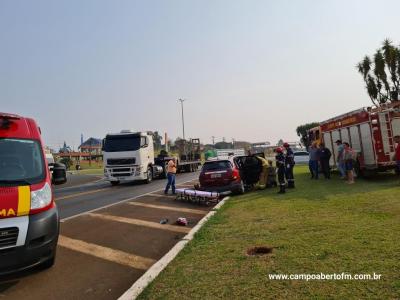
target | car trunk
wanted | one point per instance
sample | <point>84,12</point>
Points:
<point>216,178</point>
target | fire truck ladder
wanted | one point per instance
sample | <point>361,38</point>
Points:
<point>387,135</point>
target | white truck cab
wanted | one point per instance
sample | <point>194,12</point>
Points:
<point>129,156</point>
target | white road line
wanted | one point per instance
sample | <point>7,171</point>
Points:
<point>161,196</point>
<point>81,194</point>
<point>116,256</point>
<point>138,222</point>
<point>112,204</point>
<point>172,208</point>
<point>139,285</point>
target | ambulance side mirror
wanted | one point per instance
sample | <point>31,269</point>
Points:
<point>59,174</point>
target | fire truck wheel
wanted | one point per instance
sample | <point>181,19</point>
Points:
<point>357,169</point>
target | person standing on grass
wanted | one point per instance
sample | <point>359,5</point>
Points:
<point>280,164</point>
<point>289,162</point>
<point>171,172</point>
<point>397,154</point>
<point>348,160</point>
<point>324,157</point>
<point>313,163</point>
<point>340,159</point>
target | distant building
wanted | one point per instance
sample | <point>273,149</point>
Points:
<point>260,147</point>
<point>241,145</point>
<point>91,145</point>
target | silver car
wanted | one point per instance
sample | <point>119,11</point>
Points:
<point>301,157</point>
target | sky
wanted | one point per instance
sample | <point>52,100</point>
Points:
<point>249,70</point>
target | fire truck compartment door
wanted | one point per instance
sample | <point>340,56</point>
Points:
<point>355,139</point>
<point>367,146</point>
<point>396,126</point>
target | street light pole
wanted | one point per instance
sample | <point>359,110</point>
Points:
<point>183,119</point>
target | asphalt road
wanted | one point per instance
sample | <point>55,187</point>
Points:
<point>75,200</point>
<point>109,236</point>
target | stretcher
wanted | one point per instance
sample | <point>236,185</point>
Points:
<point>199,197</point>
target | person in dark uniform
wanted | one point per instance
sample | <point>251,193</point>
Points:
<point>289,165</point>
<point>324,155</point>
<point>280,164</point>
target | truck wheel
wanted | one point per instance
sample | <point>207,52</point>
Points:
<point>357,170</point>
<point>149,175</point>
<point>114,183</point>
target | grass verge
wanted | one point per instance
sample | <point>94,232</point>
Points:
<point>320,227</point>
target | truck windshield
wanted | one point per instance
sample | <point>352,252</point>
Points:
<point>126,142</point>
<point>21,162</point>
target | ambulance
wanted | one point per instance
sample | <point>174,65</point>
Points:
<point>29,219</point>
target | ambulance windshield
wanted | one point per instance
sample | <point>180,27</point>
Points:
<point>21,162</point>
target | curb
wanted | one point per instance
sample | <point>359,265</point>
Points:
<point>134,291</point>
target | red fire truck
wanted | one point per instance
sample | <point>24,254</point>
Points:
<point>369,131</point>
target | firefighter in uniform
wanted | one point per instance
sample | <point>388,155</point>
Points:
<point>263,179</point>
<point>289,165</point>
<point>280,164</point>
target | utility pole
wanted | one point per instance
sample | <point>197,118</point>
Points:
<point>213,140</point>
<point>183,119</point>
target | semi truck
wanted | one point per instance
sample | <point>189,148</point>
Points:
<point>129,156</point>
<point>370,132</point>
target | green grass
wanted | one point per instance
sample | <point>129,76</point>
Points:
<point>91,171</point>
<point>321,226</point>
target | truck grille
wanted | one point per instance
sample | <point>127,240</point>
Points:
<point>121,169</point>
<point>8,236</point>
<point>122,174</point>
<point>121,161</point>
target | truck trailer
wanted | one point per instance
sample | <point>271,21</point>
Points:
<point>129,156</point>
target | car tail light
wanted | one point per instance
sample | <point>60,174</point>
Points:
<point>41,199</point>
<point>235,174</point>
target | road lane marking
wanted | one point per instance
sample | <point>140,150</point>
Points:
<point>159,195</point>
<point>116,256</point>
<point>180,209</point>
<point>113,204</point>
<point>138,222</point>
<point>80,194</point>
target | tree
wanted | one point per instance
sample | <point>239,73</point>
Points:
<point>302,132</point>
<point>157,140</point>
<point>382,74</point>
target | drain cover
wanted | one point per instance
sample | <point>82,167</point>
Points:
<point>260,250</point>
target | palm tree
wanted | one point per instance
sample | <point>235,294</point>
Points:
<point>386,59</point>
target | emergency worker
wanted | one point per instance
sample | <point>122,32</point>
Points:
<point>262,182</point>
<point>289,165</point>
<point>280,164</point>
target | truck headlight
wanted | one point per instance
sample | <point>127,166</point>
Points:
<point>41,198</point>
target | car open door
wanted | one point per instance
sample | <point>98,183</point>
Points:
<point>249,167</point>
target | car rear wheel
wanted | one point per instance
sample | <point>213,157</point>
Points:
<point>240,190</point>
